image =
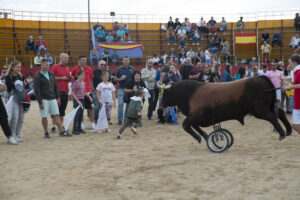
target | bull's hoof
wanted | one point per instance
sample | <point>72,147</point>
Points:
<point>281,137</point>
<point>199,140</point>
<point>289,132</point>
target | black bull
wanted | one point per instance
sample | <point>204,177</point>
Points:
<point>206,104</point>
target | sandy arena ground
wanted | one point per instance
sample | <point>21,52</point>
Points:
<point>161,162</point>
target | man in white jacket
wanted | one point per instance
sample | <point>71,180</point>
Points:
<point>148,76</point>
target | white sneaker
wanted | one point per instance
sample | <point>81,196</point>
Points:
<point>12,140</point>
<point>18,139</point>
<point>82,125</point>
<point>108,130</point>
<point>93,125</point>
<point>133,130</point>
<point>168,43</point>
<point>119,136</point>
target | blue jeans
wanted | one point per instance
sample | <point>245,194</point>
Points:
<point>121,93</point>
<point>196,39</point>
<point>96,107</point>
<point>42,48</point>
<point>79,114</point>
<point>94,60</point>
<point>172,37</point>
<point>291,104</point>
<point>223,28</point>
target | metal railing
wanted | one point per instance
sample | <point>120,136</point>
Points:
<point>144,18</point>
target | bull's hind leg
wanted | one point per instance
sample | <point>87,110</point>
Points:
<point>187,126</point>
<point>200,131</point>
<point>271,117</point>
<point>284,120</point>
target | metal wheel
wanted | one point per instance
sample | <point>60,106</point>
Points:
<point>217,141</point>
<point>219,137</point>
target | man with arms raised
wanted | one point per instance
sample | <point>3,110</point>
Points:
<point>46,92</point>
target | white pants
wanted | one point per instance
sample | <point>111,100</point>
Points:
<point>296,116</point>
<point>278,94</point>
<point>17,118</point>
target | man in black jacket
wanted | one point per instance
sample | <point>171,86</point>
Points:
<point>185,70</point>
<point>46,93</point>
<point>30,45</point>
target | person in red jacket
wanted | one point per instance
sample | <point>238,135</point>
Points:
<point>88,80</point>
<point>41,45</point>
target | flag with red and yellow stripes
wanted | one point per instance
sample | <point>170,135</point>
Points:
<point>245,38</point>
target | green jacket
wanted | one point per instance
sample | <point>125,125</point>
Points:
<point>135,106</point>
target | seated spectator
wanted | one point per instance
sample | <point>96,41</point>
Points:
<point>171,35</point>
<point>264,71</point>
<point>29,81</point>
<point>49,58</point>
<point>187,25</point>
<point>172,53</point>
<point>114,58</point>
<point>240,24</point>
<point>95,27</point>
<point>125,27</point>
<point>265,37</point>
<point>105,56</point>
<point>94,57</point>
<point>201,27</point>
<point>172,76</point>
<point>297,22</point>
<point>37,60</point>
<point>177,25</point>
<point>223,27</point>
<point>155,59</point>
<point>41,45</point>
<point>207,56</point>
<point>121,34</point>
<point>204,27</point>
<point>241,73</point>
<point>116,27</point>
<point>197,73</point>
<point>217,40</point>
<point>100,34</point>
<point>212,45</point>
<point>182,53</point>
<point>193,29</point>
<point>181,36</point>
<point>294,42</point>
<point>212,25</point>
<point>276,39</point>
<point>266,51</point>
<point>196,37</point>
<point>182,60</point>
<point>200,55</point>
<point>170,23</point>
<point>30,45</point>
<point>191,54</point>
<point>109,37</point>
<point>226,76</point>
<point>254,72</point>
<point>225,51</point>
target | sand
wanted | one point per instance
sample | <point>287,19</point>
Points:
<point>161,162</point>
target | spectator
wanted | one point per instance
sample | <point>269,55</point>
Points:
<point>186,69</point>
<point>100,34</point>
<point>182,53</point>
<point>166,68</point>
<point>30,45</point>
<point>207,56</point>
<point>123,76</point>
<point>148,76</point>
<point>226,76</point>
<point>276,77</point>
<point>3,94</point>
<point>284,97</point>
<point>240,74</point>
<point>264,71</point>
<point>105,56</point>
<point>196,37</point>
<point>125,27</point>
<point>172,76</point>
<point>197,73</point>
<point>254,72</point>
<point>191,54</point>
<point>163,58</point>
<point>266,51</point>
<point>297,22</point>
<point>216,73</point>
<point>200,55</point>
<point>114,58</point>
<point>62,75</point>
<point>177,25</point>
<point>41,45</point>
<point>49,58</point>
<point>202,27</point>
<point>212,25</point>
<point>109,37</point>
<point>173,55</point>
<point>240,24</point>
<point>29,81</point>
<point>158,77</point>
<point>182,60</point>
<point>265,37</point>
<point>95,27</point>
<point>225,51</point>
<point>116,27</point>
<point>187,25</point>
<point>212,45</point>
<point>121,34</point>
<point>88,80</point>
<point>155,59</point>
<point>217,40</point>
<point>294,42</point>
<point>94,57</point>
<point>276,39</point>
<point>207,74</point>
<point>193,30</point>
<point>171,35</point>
<point>170,24</point>
<point>223,27</point>
<point>181,36</point>
<point>37,60</point>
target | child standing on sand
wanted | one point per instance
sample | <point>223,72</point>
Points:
<point>134,113</point>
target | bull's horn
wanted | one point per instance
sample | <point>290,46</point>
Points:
<point>168,87</point>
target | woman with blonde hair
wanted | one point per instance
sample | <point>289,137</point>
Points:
<point>17,118</point>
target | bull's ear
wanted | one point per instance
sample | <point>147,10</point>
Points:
<point>168,87</point>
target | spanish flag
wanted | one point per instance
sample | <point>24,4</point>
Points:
<point>245,38</point>
<point>120,46</point>
<point>130,49</point>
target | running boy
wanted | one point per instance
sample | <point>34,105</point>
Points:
<point>134,113</point>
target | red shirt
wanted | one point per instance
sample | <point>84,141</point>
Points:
<point>60,71</point>
<point>88,76</point>
<point>297,90</point>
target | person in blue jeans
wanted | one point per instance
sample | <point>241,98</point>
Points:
<point>123,76</point>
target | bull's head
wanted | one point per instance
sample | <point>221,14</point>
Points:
<point>168,97</point>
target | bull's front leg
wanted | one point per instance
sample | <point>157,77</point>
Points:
<point>187,126</point>
<point>200,131</point>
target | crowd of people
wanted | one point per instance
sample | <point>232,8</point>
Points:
<point>118,33</point>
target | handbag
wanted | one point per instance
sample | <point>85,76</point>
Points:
<point>127,97</point>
